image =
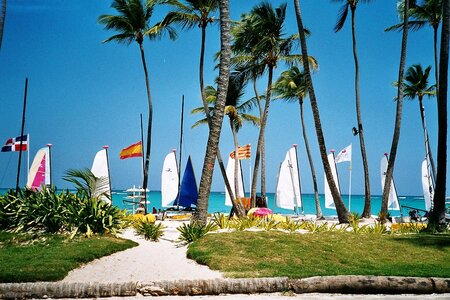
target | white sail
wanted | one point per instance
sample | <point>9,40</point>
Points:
<point>230,176</point>
<point>288,187</point>
<point>427,185</point>
<point>329,203</point>
<point>39,173</point>
<point>393,198</point>
<point>169,180</point>
<point>100,170</point>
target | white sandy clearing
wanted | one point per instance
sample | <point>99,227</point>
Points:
<point>150,261</point>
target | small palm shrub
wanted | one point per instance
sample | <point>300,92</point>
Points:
<point>220,220</point>
<point>193,231</point>
<point>149,229</point>
<point>314,227</point>
<point>268,224</point>
<point>291,225</point>
<point>407,228</point>
<point>243,223</point>
<point>378,228</point>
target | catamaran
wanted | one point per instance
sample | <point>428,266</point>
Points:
<point>39,174</point>
<point>288,193</point>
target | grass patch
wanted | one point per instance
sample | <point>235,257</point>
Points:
<point>269,254</point>
<point>29,258</point>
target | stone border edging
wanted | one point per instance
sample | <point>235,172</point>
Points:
<point>345,284</point>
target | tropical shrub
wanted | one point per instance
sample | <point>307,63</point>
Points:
<point>193,231</point>
<point>149,229</point>
<point>268,224</point>
<point>315,227</point>
<point>243,223</point>
<point>291,225</point>
<point>220,220</point>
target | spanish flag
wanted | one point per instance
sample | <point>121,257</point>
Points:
<point>134,150</point>
<point>244,152</point>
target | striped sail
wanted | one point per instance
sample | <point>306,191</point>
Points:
<point>230,176</point>
<point>169,180</point>
<point>39,174</point>
<point>393,203</point>
<point>100,169</point>
<point>329,203</point>
<point>288,191</point>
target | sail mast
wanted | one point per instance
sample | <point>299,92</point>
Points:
<point>21,133</point>
<point>181,150</point>
<point>299,183</point>
<point>49,163</point>
<point>107,167</point>
<point>143,166</point>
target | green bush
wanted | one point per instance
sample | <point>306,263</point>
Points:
<point>150,230</point>
<point>193,231</point>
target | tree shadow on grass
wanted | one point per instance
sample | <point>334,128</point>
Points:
<point>436,241</point>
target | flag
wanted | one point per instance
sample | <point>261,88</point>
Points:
<point>244,152</point>
<point>344,155</point>
<point>134,150</point>
<point>13,144</point>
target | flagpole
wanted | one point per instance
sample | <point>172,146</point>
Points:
<point>143,166</point>
<point>181,150</point>
<point>21,133</point>
<point>350,186</point>
<point>109,174</point>
<point>28,156</point>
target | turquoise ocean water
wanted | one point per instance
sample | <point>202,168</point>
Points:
<point>217,203</point>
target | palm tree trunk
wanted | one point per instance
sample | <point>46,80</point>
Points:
<point>436,63</point>
<point>260,152</point>
<point>149,131</point>
<point>2,21</point>
<point>319,214</point>
<point>261,137</point>
<point>341,210</point>
<point>366,212</point>
<point>426,138</point>
<point>398,115</point>
<point>236,159</point>
<point>217,119</point>
<point>239,210</point>
<point>438,213</point>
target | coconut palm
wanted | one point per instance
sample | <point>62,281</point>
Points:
<point>428,12</point>
<point>260,39</point>
<point>341,210</point>
<point>2,20</point>
<point>438,213</point>
<point>398,114</point>
<point>218,114</point>
<point>352,5</point>
<point>416,85</point>
<point>197,13</point>
<point>132,24</point>
<point>292,87</point>
<point>236,110</point>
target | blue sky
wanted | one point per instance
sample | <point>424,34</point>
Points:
<point>84,94</point>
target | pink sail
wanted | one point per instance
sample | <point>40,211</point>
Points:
<point>39,174</point>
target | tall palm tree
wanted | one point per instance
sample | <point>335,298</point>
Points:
<point>292,87</point>
<point>416,85</point>
<point>197,13</point>
<point>429,12</point>
<point>398,114</point>
<point>2,20</point>
<point>218,113</point>
<point>263,39</point>
<point>438,213</point>
<point>341,210</point>
<point>132,24</point>
<point>352,5</point>
<point>236,110</point>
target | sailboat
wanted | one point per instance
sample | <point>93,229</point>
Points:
<point>230,175</point>
<point>39,174</point>
<point>169,180</point>
<point>393,203</point>
<point>329,203</point>
<point>427,184</point>
<point>188,192</point>
<point>288,192</point>
<point>100,169</point>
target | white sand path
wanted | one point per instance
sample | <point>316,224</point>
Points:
<point>150,261</point>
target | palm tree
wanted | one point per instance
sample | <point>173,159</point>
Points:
<point>191,14</point>
<point>438,213</point>
<point>341,210</point>
<point>235,109</point>
<point>218,113</point>
<point>132,23</point>
<point>2,21</point>
<point>352,5</point>
<point>430,12</point>
<point>416,85</point>
<point>398,114</point>
<point>292,87</point>
<point>262,40</point>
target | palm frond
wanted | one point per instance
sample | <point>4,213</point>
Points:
<point>342,17</point>
<point>200,122</point>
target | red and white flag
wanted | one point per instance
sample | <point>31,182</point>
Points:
<point>13,144</point>
<point>344,155</point>
<point>244,152</point>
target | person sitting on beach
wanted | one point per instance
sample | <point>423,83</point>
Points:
<point>414,215</point>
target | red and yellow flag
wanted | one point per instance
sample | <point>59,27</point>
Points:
<point>244,152</point>
<point>134,150</point>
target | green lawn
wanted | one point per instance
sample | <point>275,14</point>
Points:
<point>269,254</point>
<point>25,258</point>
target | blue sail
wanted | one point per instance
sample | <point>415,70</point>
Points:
<point>188,188</point>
